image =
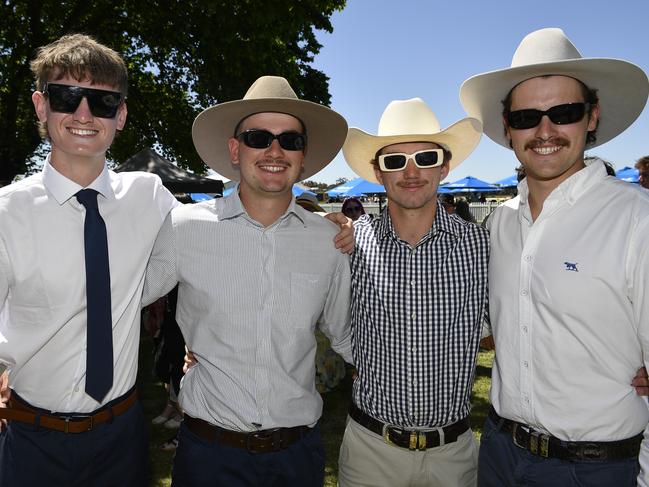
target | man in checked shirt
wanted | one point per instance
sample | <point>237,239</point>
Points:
<point>419,295</point>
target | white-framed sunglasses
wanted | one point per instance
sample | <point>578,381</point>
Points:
<point>424,159</point>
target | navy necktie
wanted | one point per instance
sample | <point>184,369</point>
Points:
<point>99,355</point>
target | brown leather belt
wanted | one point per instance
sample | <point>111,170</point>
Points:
<point>548,446</point>
<point>263,441</point>
<point>65,423</point>
<point>410,439</point>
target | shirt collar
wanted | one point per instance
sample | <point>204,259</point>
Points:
<point>233,208</point>
<point>443,223</point>
<point>572,188</point>
<point>63,188</point>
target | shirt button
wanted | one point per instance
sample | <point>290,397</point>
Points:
<point>414,349</point>
<point>525,364</point>
<point>413,316</point>
<point>412,283</point>
<point>528,258</point>
<point>524,328</point>
<point>414,382</point>
<point>524,292</point>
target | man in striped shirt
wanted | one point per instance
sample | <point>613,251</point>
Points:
<point>256,272</point>
<point>419,295</point>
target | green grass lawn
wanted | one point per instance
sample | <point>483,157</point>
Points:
<point>336,404</point>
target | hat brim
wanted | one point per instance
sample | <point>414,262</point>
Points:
<point>360,148</point>
<point>214,126</point>
<point>621,86</point>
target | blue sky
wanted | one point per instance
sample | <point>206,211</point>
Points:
<point>382,50</point>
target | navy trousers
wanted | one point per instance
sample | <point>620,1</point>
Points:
<point>502,464</point>
<point>199,463</point>
<point>112,454</point>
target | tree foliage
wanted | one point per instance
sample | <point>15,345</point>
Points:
<point>182,57</point>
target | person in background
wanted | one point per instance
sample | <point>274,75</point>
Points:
<point>448,202</point>
<point>642,165</point>
<point>352,208</point>
<point>462,210</point>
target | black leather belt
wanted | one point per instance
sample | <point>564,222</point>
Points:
<point>263,441</point>
<point>410,439</point>
<point>550,447</point>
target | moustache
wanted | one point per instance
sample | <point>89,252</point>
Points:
<point>558,141</point>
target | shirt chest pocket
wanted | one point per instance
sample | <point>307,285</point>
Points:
<point>308,297</point>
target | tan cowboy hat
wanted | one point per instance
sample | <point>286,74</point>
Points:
<point>326,129</point>
<point>621,86</point>
<point>409,121</point>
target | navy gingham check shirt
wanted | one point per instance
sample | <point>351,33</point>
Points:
<point>416,318</point>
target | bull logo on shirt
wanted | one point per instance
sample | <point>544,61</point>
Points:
<point>571,266</point>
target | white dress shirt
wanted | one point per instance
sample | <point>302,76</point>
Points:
<point>249,298</point>
<point>569,308</point>
<point>43,281</point>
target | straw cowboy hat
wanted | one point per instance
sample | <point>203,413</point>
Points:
<point>409,121</point>
<point>621,86</point>
<point>326,129</point>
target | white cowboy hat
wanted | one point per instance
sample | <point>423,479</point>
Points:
<point>409,121</point>
<point>326,129</point>
<point>622,87</point>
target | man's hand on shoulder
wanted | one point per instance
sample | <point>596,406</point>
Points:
<point>5,394</point>
<point>641,382</point>
<point>344,240</point>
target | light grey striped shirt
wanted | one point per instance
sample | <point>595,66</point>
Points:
<point>249,299</point>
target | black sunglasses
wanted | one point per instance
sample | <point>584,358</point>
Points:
<point>352,209</point>
<point>262,139</point>
<point>560,115</point>
<point>66,99</point>
<point>423,159</point>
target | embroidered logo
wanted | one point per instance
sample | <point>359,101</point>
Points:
<point>571,266</point>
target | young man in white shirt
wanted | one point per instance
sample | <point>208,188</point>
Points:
<point>74,242</point>
<point>568,273</point>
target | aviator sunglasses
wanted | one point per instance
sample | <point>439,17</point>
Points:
<point>66,99</point>
<point>560,115</point>
<point>262,139</point>
<point>423,159</point>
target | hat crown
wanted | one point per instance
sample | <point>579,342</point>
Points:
<point>405,117</point>
<point>270,87</point>
<point>544,46</point>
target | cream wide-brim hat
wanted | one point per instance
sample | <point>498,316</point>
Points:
<point>409,121</point>
<point>326,130</point>
<point>622,87</point>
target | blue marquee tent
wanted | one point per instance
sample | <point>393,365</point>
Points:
<point>468,184</point>
<point>508,182</point>
<point>629,174</point>
<point>297,191</point>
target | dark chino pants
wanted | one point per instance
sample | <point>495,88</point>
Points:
<point>199,463</point>
<point>502,464</point>
<point>110,455</point>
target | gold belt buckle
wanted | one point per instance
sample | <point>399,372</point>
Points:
<point>386,434</point>
<point>416,440</point>
<point>539,444</point>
